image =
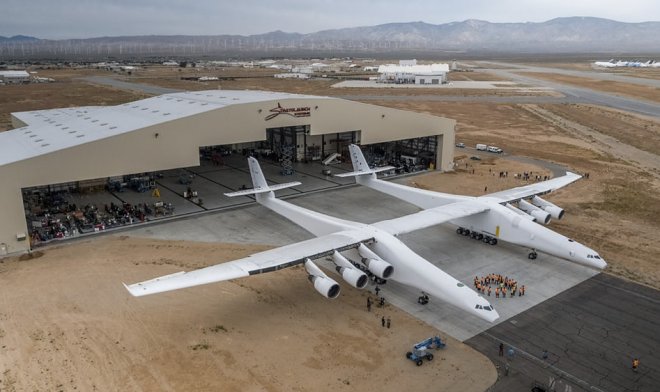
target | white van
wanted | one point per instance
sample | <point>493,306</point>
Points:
<point>481,147</point>
<point>494,149</point>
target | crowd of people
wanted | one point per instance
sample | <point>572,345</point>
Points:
<point>499,284</point>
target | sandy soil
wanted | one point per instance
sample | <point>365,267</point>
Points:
<point>619,88</point>
<point>66,323</point>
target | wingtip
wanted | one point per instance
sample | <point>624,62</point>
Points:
<point>128,288</point>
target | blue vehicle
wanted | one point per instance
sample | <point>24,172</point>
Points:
<point>421,350</point>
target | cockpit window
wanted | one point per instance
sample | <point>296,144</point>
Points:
<point>459,284</point>
<point>597,257</point>
<point>570,240</point>
<point>488,308</point>
<point>478,307</point>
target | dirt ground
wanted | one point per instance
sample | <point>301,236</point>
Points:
<point>67,323</point>
<point>67,91</point>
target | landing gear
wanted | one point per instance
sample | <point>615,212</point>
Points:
<point>532,255</point>
<point>423,299</point>
<point>477,236</point>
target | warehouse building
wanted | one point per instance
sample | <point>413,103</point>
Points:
<point>14,77</point>
<point>87,144</point>
<point>409,72</point>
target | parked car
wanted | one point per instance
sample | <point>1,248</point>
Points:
<point>460,145</point>
<point>475,158</point>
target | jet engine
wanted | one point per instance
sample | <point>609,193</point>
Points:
<point>375,264</point>
<point>554,211</point>
<point>348,272</point>
<point>322,283</point>
<point>520,213</point>
<point>540,215</point>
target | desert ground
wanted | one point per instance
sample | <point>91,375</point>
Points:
<point>67,324</point>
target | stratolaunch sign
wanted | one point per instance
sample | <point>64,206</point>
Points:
<point>304,111</point>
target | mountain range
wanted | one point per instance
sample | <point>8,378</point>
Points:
<point>560,35</point>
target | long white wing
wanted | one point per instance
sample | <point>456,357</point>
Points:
<point>431,217</point>
<point>539,188</point>
<point>267,261</point>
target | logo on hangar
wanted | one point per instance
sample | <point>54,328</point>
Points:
<point>304,111</point>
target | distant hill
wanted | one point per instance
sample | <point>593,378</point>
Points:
<point>18,38</point>
<point>561,35</point>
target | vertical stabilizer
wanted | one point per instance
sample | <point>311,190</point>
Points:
<point>360,165</point>
<point>260,187</point>
<point>258,179</point>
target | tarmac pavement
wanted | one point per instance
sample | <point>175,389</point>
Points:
<point>591,332</point>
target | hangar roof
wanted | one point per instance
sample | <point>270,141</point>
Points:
<point>56,129</point>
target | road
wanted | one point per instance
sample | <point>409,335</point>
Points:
<point>594,74</point>
<point>120,84</point>
<point>583,95</point>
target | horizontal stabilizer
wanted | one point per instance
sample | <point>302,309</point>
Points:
<point>363,172</point>
<point>265,189</point>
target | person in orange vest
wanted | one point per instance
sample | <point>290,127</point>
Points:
<point>635,364</point>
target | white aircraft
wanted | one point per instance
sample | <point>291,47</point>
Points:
<point>494,217</point>
<point>371,244</point>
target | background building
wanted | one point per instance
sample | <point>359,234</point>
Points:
<point>408,72</point>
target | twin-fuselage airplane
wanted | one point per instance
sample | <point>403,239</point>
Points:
<point>375,246</point>
<point>356,247</point>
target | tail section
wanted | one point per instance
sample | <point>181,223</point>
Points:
<point>259,183</point>
<point>360,166</point>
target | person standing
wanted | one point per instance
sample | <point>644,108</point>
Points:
<point>635,364</point>
<point>389,322</point>
<point>382,321</point>
<point>501,349</point>
<point>368,304</point>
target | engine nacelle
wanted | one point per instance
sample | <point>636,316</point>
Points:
<point>322,283</point>
<point>349,273</point>
<point>520,213</point>
<point>554,210</point>
<point>540,215</point>
<point>375,264</point>
<point>354,277</point>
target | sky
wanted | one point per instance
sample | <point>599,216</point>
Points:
<point>62,19</point>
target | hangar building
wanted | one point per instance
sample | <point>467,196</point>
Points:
<point>166,132</point>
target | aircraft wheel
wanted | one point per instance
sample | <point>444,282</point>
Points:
<point>459,230</point>
<point>419,362</point>
<point>486,239</point>
<point>429,357</point>
<point>532,255</point>
<point>480,237</point>
<point>466,232</point>
<point>408,355</point>
<point>493,241</point>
